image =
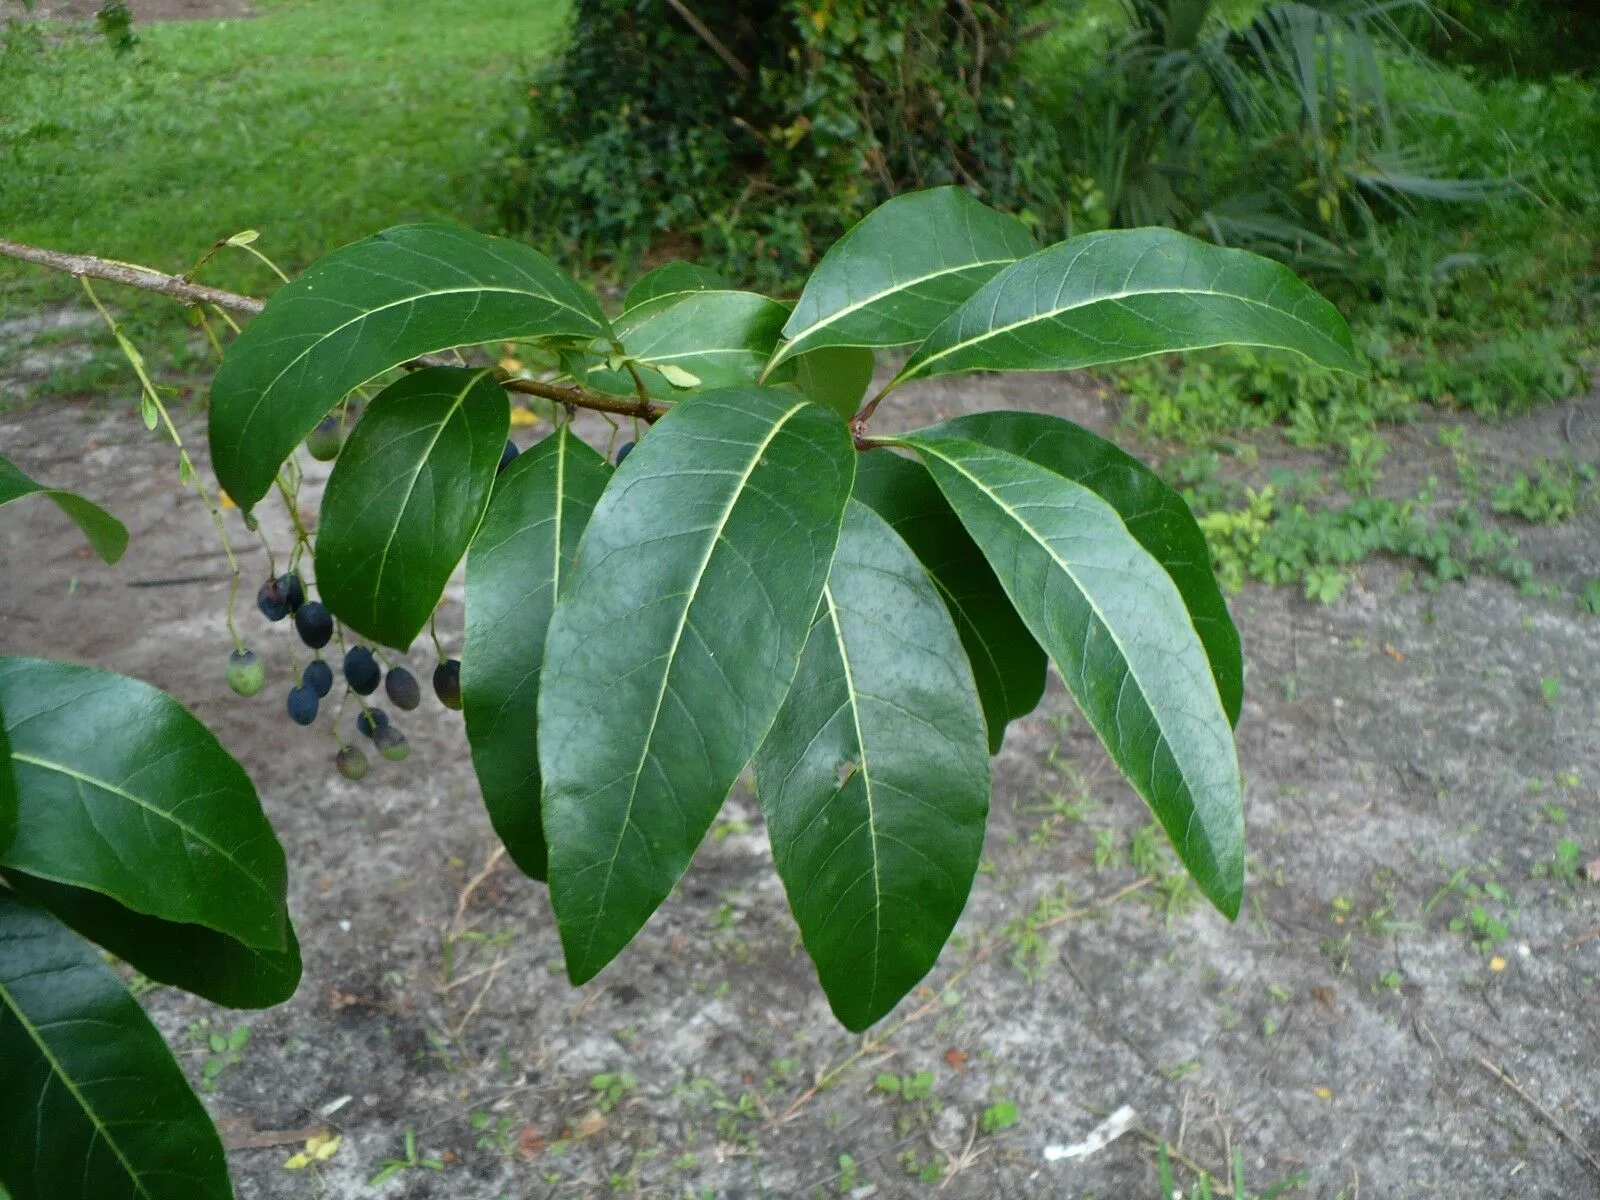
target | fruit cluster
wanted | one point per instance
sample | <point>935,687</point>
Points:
<point>283,597</point>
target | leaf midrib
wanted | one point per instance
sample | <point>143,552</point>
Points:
<point>671,658</point>
<point>365,314</point>
<point>72,1088</point>
<point>865,771</point>
<point>920,368</point>
<point>117,790</point>
<point>787,350</point>
<point>422,461</point>
<point>1082,591</point>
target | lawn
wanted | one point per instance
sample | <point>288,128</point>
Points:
<point>315,123</point>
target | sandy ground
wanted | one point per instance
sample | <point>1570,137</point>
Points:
<point>1394,742</point>
<point>144,11</point>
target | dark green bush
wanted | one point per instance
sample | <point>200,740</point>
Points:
<point>1518,37</point>
<point>644,129</point>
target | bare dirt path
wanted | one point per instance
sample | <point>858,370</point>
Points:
<point>1405,766</point>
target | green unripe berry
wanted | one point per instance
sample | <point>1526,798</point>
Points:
<point>247,674</point>
<point>391,743</point>
<point>352,763</point>
<point>326,440</point>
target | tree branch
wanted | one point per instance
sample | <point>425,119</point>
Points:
<point>176,288</point>
<point>143,278</point>
<point>711,39</point>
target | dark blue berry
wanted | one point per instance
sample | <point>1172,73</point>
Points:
<point>272,602</point>
<point>318,676</point>
<point>246,673</point>
<point>623,451</point>
<point>303,703</point>
<point>352,763</point>
<point>447,683</point>
<point>294,592</point>
<point>314,623</point>
<point>507,456</point>
<point>391,743</point>
<point>361,671</point>
<point>403,688</point>
<point>371,720</point>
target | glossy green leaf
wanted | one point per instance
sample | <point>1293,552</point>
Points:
<point>8,792</point>
<point>671,279</point>
<point>1116,627</point>
<point>721,339</point>
<point>518,563</point>
<point>364,310</point>
<point>1126,293</point>
<point>874,780</point>
<point>92,1105</point>
<point>836,377</point>
<point>902,270</point>
<point>1155,514</point>
<point>1007,663</point>
<point>406,495</point>
<point>123,792</point>
<point>669,653</point>
<point>191,957</point>
<point>106,534</point>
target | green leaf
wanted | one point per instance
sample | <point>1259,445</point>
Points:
<point>672,279</point>
<point>875,778</point>
<point>8,793</point>
<point>720,338</point>
<point>92,1105</point>
<point>836,377</point>
<point>901,270</point>
<point>518,562</point>
<point>364,310</point>
<point>1126,293</point>
<point>406,495</point>
<point>1007,663</point>
<point>123,792</point>
<point>1116,627</point>
<point>106,534</point>
<point>670,652</point>
<point>191,957</point>
<point>1156,515</point>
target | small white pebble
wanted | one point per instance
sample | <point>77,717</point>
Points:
<point>344,926</point>
<point>1338,703</point>
<point>1524,950</point>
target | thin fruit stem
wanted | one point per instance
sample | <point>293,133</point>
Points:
<point>187,475</point>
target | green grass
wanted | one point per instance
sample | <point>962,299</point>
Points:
<point>315,123</point>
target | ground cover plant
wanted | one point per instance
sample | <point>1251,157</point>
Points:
<point>758,580</point>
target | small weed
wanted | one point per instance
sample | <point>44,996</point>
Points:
<point>495,1133</point>
<point>1551,496</point>
<point>1589,597</point>
<point>1388,981</point>
<point>1204,1188</point>
<point>849,1174</point>
<point>1002,1114</point>
<point>1107,854</point>
<point>1550,690</point>
<point>1565,865</point>
<point>907,1087</point>
<point>222,1050</point>
<point>610,1088</point>
<point>411,1162</point>
<point>923,1170</point>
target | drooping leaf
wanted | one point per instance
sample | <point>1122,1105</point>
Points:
<point>92,1105</point>
<point>721,339</point>
<point>366,309</point>
<point>836,377</point>
<point>1126,293</point>
<point>874,780</point>
<point>518,563</point>
<point>191,957</point>
<point>1155,514</point>
<point>123,792</point>
<point>672,279</point>
<point>674,644</point>
<point>902,270</point>
<point>1007,663</point>
<point>405,497</point>
<point>1116,627</point>
<point>106,534</point>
